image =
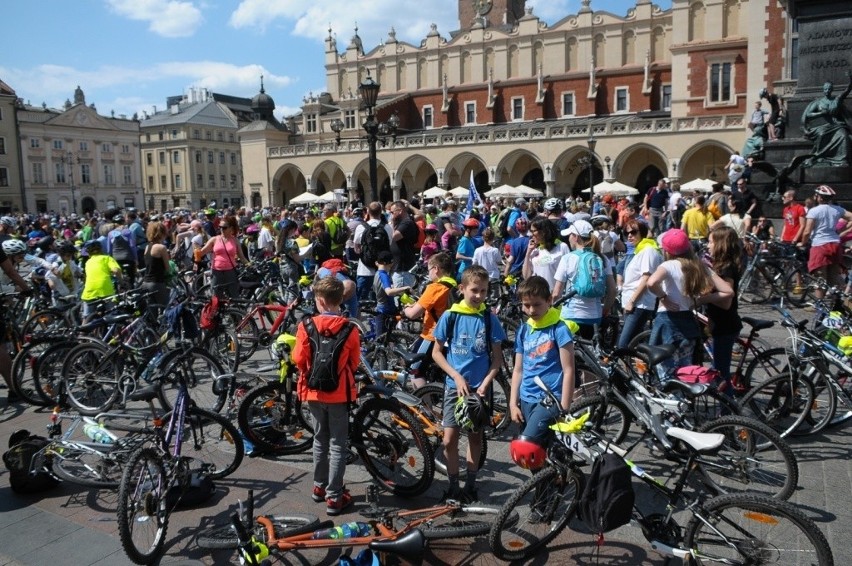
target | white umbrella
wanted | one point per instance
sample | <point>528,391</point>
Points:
<point>504,191</point>
<point>435,192</point>
<point>613,188</point>
<point>460,192</point>
<point>699,185</point>
<point>305,198</point>
<point>330,196</point>
<point>529,191</point>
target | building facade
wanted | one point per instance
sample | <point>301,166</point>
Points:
<point>515,101</point>
<point>11,196</point>
<point>191,153</point>
<point>77,161</point>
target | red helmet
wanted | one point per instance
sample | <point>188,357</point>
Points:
<point>471,223</point>
<point>527,453</point>
<point>521,224</point>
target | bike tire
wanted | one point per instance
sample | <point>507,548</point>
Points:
<point>274,420</point>
<point>24,375</point>
<point>707,407</point>
<point>224,537</point>
<point>202,372</point>
<point>143,510</point>
<point>86,468</point>
<point>393,447</point>
<point>753,458</point>
<point>782,402</point>
<point>245,329</point>
<point>610,418</point>
<point>91,378</point>
<point>766,365</point>
<point>224,344</point>
<point>535,514</point>
<point>754,526</point>
<point>758,285</point>
<point>824,405</point>
<point>799,287</point>
<point>46,320</point>
<point>47,373</point>
<point>212,440</point>
<point>470,520</point>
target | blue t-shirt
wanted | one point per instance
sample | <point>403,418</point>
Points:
<point>469,351</point>
<point>518,251</point>
<point>466,247</point>
<point>513,216</point>
<point>384,303</point>
<point>539,349</point>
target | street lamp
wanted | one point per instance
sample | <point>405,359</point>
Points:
<point>591,142</point>
<point>369,91</point>
<point>69,159</point>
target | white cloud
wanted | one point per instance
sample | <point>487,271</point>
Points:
<point>168,18</point>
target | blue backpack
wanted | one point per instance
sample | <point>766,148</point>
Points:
<point>590,280</point>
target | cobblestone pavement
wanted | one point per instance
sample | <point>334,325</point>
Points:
<point>75,526</point>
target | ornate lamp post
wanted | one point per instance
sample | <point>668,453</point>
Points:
<point>591,142</point>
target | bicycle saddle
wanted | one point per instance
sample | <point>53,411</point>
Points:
<point>146,394</point>
<point>409,357</point>
<point>408,547</point>
<point>758,324</point>
<point>656,354</point>
<point>699,441</point>
<point>688,389</point>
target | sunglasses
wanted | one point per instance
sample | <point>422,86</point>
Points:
<point>632,232</point>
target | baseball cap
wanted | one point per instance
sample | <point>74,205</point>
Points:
<point>519,201</point>
<point>675,242</point>
<point>579,228</point>
<point>666,180</point>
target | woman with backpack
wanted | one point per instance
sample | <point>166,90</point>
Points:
<point>587,270</point>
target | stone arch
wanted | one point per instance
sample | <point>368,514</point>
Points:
<point>361,180</point>
<point>401,76</point>
<point>443,65</point>
<point>415,174</point>
<point>422,73</point>
<point>520,167</point>
<point>465,69</point>
<point>571,54</point>
<point>697,14</point>
<point>382,76</point>
<point>512,62</point>
<point>489,62</point>
<point>658,44</point>
<point>571,174</point>
<point>628,48</point>
<point>287,182</point>
<point>342,82</point>
<point>640,166</point>
<point>707,160</point>
<point>537,56</point>
<point>328,176</point>
<point>599,50</point>
<point>457,171</point>
<point>88,204</point>
<point>731,18</point>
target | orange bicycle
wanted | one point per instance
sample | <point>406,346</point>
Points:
<point>404,533</point>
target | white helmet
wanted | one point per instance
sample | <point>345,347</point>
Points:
<point>552,204</point>
<point>825,191</point>
<point>14,247</point>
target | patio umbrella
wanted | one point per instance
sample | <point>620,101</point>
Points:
<point>331,196</point>
<point>529,191</point>
<point>305,198</point>
<point>699,185</point>
<point>504,191</point>
<point>613,188</point>
<point>435,192</point>
<point>459,192</point>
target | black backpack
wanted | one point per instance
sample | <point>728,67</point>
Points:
<point>120,246</point>
<point>607,499</point>
<point>503,222</point>
<point>18,460</point>
<point>373,241</point>
<point>326,350</point>
<point>341,234</point>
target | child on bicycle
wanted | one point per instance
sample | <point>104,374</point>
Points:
<point>544,347</point>
<point>436,298</point>
<point>329,409</point>
<point>468,350</point>
<point>385,291</point>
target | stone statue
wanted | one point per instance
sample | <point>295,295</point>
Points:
<point>755,142</point>
<point>827,123</point>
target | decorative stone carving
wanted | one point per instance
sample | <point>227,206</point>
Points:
<point>826,122</point>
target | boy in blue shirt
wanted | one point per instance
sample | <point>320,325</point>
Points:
<point>385,291</point>
<point>544,347</point>
<point>470,358</point>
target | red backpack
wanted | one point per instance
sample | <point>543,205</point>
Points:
<point>209,314</point>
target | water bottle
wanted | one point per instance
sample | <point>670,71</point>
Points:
<point>152,365</point>
<point>332,533</point>
<point>345,531</point>
<point>98,433</point>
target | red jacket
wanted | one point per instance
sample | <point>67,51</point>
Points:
<point>350,357</point>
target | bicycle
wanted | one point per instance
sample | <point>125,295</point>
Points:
<point>188,444</point>
<point>404,533</point>
<point>738,528</point>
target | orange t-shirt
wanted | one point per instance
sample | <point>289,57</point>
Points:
<point>434,300</point>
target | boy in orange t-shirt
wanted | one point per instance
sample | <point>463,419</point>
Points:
<point>436,298</point>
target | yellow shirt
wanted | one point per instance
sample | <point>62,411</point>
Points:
<point>99,270</point>
<point>697,223</point>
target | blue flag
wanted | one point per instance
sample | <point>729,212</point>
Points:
<point>472,195</point>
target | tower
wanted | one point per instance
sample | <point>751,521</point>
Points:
<point>494,13</point>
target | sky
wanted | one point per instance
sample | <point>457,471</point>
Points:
<point>129,55</point>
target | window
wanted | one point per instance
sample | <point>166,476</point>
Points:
<point>109,174</point>
<point>129,202</point>
<point>35,143</point>
<point>125,148</point>
<point>178,182</point>
<point>233,181</point>
<point>518,108</point>
<point>175,157</point>
<point>57,144</point>
<point>38,173</point>
<point>2,146</point>
<point>349,119</point>
<point>211,181</point>
<point>567,103</point>
<point>720,82</point>
<point>219,136</point>
<point>41,205</point>
<point>196,134</point>
<point>666,97</point>
<point>4,177</point>
<point>209,157</point>
<point>310,123</point>
<point>233,158</point>
<point>793,58</point>
<point>174,134</point>
<point>222,181</point>
<point>85,174</point>
<point>470,112</point>
<point>622,101</point>
<point>162,158</point>
<point>198,157</point>
<point>151,186</point>
<point>106,148</point>
<point>221,158</point>
<point>199,181</point>
<point>428,120</point>
<point>149,159</point>
<point>84,146</point>
<point>147,137</point>
<point>60,172</point>
<point>160,136</point>
<point>208,135</point>
<point>128,177</point>
<point>162,182</point>
<point>231,137</point>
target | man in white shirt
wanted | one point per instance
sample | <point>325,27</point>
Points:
<point>364,274</point>
<point>826,254</point>
<point>735,167</point>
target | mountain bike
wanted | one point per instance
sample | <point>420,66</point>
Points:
<point>737,528</point>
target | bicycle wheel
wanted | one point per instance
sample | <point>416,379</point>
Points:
<point>91,378</point>
<point>757,285</point>
<point>471,520</point>
<point>753,529</point>
<point>143,512</point>
<point>610,418</point>
<point>500,393</point>
<point>274,420</point>
<point>224,537</point>
<point>825,403</point>
<point>202,373</point>
<point>212,441</point>
<point>535,514</point>
<point>753,458</point>
<point>782,402</point>
<point>393,447</point>
<point>224,344</point>
<point>44,321</point>
<point>47,372</point>
<point>707,407</point>
<point>799,288</point>
<point>91,469</point>
<point>766,365</point>
<point>245,329</point>
<point>23,373</point>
